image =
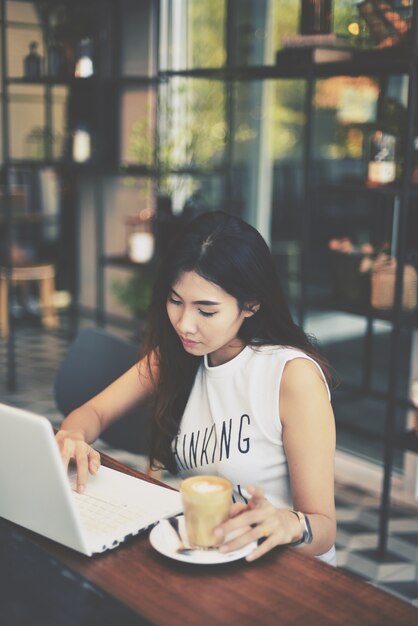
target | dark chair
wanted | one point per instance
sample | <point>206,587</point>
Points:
<point>94,360</point>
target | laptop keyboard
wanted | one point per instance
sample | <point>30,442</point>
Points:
<point>101,516</point>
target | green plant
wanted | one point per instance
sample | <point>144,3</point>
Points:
<point>135,293</point>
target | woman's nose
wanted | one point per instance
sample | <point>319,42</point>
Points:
<point>186,323</point>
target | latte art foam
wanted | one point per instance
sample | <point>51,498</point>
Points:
<point>206,487</point>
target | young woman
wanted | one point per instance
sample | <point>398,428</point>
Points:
<point>239,390</point>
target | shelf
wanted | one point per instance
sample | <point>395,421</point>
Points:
<point>183,171</point>
<point>49,80</point>
<point>45,80</point>
<point>106,168</point>
<point>112,169</point>
<point>296,64</point>
<point>358,187</point>
<point>23,25</point>
<point>408,441</point>
<point>89,167</point>
<point>72,80</point>
<point>138,80</point>
<point>383,62</point>
<point>196,171</point>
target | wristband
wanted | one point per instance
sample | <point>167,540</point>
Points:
<point>307,535</point>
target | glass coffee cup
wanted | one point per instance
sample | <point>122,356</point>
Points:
<point>206,504</point>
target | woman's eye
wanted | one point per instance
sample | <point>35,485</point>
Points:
<point>174,301</point>
<point>206,313</point>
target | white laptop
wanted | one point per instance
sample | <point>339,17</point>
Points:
<point>37,493</point>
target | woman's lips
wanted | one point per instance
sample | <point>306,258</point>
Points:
<point>188,342</point>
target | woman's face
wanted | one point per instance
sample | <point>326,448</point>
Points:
<point>206,318</point>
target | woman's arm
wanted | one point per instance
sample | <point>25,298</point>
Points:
<point>85,424</point>
<point>309,442</point>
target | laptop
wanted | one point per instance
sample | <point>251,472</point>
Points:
<point>37,493</point>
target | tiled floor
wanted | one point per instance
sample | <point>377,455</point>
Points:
<point>38,354</point>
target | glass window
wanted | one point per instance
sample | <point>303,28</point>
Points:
<point>215,33</point>
<point>137,126</point>
<point>192,126</point>
<point>206,24</point>
<point>192,34</point>
<point>257,29</point>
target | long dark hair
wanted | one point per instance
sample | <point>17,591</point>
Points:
<point>226,251</point>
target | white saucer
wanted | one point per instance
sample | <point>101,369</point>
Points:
<point>164,539</point>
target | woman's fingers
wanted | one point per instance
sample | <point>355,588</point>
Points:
<point>258,520</point>
<point>261,549</point>
<point>241,537</point>
<point>88,461</point>
<point>94,461</point>
<point>237,508</point>
<point>66,448</point>
<point>244,526</point>
<point>82,467</point>
<point>257,496</point>
<point>86,458</point>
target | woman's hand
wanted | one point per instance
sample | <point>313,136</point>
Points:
<point>256,520</point>
<point>73,446</point>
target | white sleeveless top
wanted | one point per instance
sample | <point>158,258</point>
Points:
<point>231,425</point>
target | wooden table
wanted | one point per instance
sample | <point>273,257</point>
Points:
<point>143,587</point>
